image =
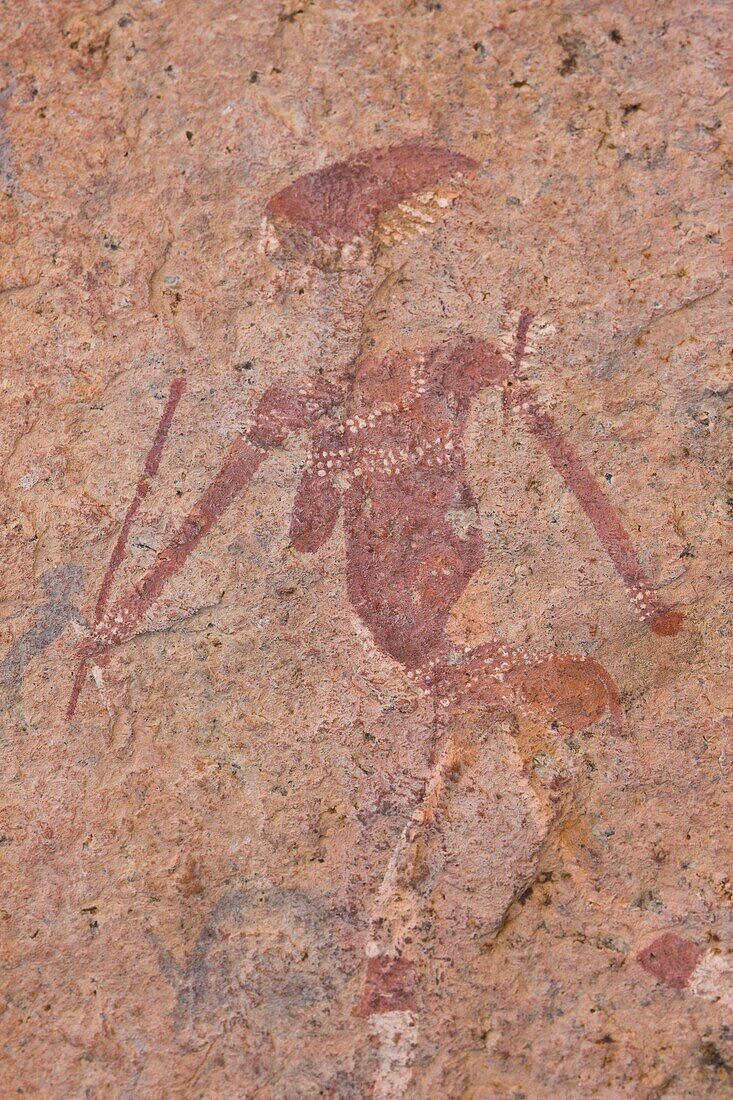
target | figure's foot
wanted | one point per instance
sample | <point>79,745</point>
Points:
<point>390,986</point>
<point>574,691</point>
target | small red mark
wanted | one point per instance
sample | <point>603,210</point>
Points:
<point>344,200</point>
<point>671,959</point>
<point>666,623</point>
<point>389,986</point>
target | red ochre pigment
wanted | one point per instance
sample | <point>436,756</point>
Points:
<point>388,450</point>
<point>671,959</point>
<point>344,200</point>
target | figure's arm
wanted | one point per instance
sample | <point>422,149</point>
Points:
<point>565,459</point>
<point>280,412</point>
<point>315,511</point>
<point>640,589</point>
<point>318,498</point>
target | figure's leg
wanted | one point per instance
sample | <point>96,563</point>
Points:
<point>390,995</point>
<point>462,860</point>
<point>572,691</point>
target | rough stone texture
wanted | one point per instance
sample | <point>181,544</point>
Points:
<point>251,862</point>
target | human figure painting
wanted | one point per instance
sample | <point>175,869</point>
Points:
<point>387,455</point>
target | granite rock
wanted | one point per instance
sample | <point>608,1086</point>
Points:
<point>365,632</point>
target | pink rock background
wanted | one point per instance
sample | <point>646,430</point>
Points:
<point>190,863</point>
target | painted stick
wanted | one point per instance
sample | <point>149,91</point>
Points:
<point>152,464</point>
<point>178,385</point>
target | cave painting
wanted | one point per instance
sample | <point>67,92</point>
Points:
<point>388,449</point>
<point>387,452</point>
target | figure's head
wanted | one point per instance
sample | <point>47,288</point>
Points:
<point>339,216</point>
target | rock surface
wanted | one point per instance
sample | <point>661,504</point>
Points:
<point>365,667</point>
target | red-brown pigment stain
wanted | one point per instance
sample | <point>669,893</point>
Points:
<point>338,203</point>
<point>389,986</point>
<point>671,958</point>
